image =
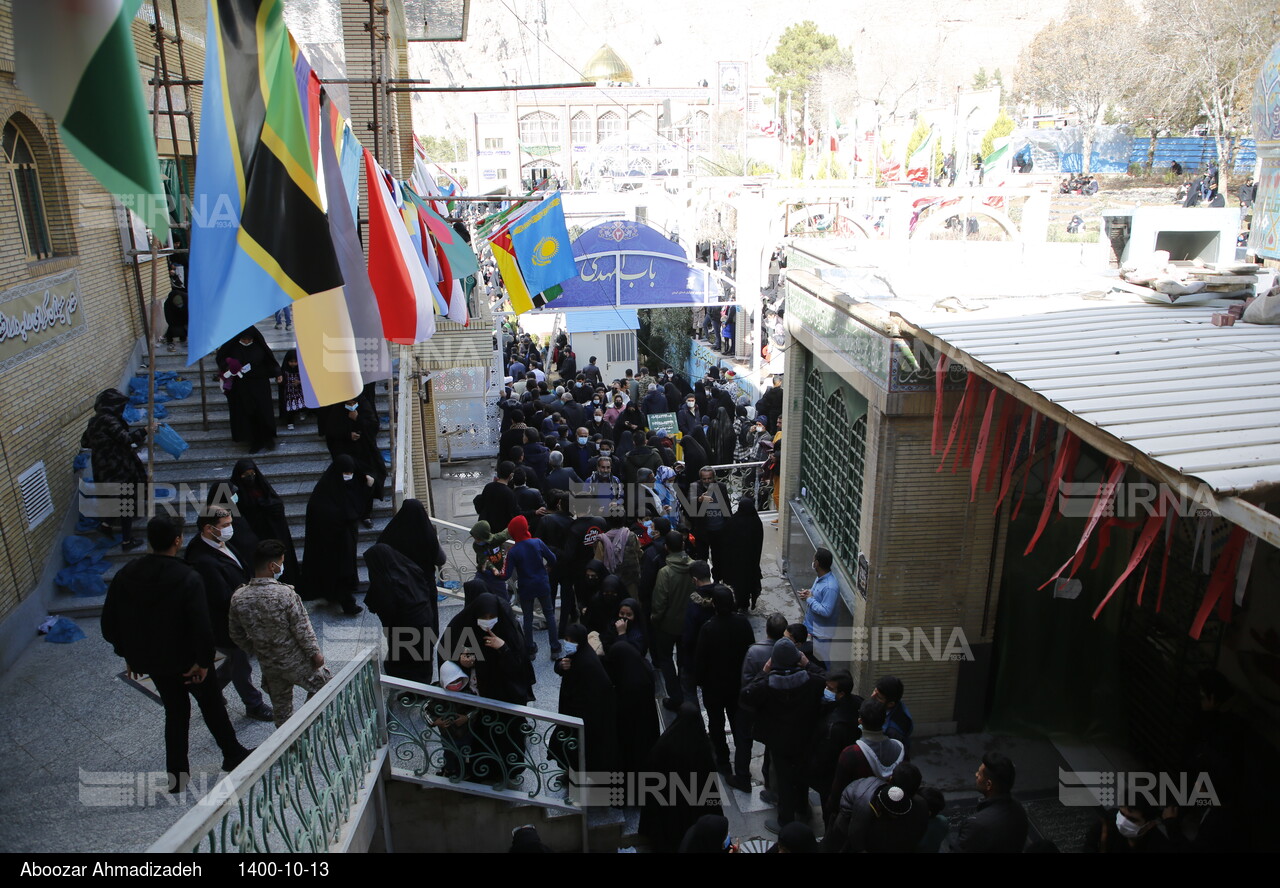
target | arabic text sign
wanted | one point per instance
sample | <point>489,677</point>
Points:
<point>638,278</point>
<point>663,422</point>
<point>38,315</point>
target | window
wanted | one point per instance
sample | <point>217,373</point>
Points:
<point>580,129</point>
<point>619,347</point>
<point>701,128</point>
<point>539,128</point>
<point>24,180</point>
<point>499,174</point>
<point>609,126</point>
<point>492,144</point>
<point>640,130</point>
<point>834,498</point>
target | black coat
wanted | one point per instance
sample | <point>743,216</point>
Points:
<point>785,707</point>
<point>406,604</point>
<point>339,426</point>
<point>505,674</point>
<point>411,533</point>
<point>263,510</point>
<point>114,459</point>
<point>999,824</point>
<point>684,752</point>
<point>329,566</point>
<point>253,414</point>
<point>638,725</point>
<point>221,577</point>
<point>717,664</point>
<point>156,616</point>
<point>837,727</point>
<point>497,505</point>
<point>587,693</point>
<point>745,533</point>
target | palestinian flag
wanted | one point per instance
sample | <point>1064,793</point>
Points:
<point>76,59</point>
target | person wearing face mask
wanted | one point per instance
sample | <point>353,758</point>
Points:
<point>688,418</point>
<point>262,509</point>
<point>837,728</point>
<point>248,388</point>
<point>267,620</point>
<point>587,693</point>
<point>225,565</point>
<point>292,404</point>
<point>352,429</point>
<point>1000,823</point>
<point>405,601</point>
<point>333,513</point>
<point>1137,828</point>
<point>721,644</point>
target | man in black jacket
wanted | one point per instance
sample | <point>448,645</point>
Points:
<point>1000,823</point>
<point>770,404</point>
<point>836,729</point>
<point>784,700</point>
<point>224,568</point>
<point>721,645</point>
<point>156,617</point>
<point>497,502</point>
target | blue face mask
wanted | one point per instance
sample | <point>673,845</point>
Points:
<point>569,648</point>
<point>582,441</point>
<point>828,695</point>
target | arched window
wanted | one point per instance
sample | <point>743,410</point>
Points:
<point>608,127</point>
<point>640,129</point>
<point>580,129</point>
<point>539,128</point>
<point>24,180</point>
<point>833,495</point>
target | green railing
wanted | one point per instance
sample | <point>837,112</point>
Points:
<point>305,789</point>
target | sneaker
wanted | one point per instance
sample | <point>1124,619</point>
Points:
<point>130,545</point>
<point>289,427</point>
<point>768,796</point>
<point>772,826</point>
<point>262,712</point>
<point>231,762</point>
<point>279,327</point>
<point>288,328</point>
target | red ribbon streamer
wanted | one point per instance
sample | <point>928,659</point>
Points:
<point>1148,534</point>
<point>962,457</point>
<point>1164,561</point>
<point>1070,448</point>
<point>1143,583</point>
<point>1031,461</point>
<point>980,449</point>
<point>1223,578</point>
<point>939,379</point>
<point>1009,409</point>
<point>1013,456</point>
<point>1113,471</point>
<point>970,390</point>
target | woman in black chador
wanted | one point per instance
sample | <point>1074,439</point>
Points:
<point>351,427</point>
<point>260,505</point>
<point>333,516</point>
<point>248,367</point>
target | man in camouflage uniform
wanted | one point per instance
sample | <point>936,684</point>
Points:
<point>267,619</point>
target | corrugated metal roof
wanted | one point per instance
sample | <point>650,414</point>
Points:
<point>605,319</point>
<point>1200,399</point>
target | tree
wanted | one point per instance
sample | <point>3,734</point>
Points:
<point>802,56</point>
<point>998,80</point>
<point>1078,62</point>
<point>1214,48</point>
<point>1002,126</point>
<point>443,148</point>
<point>980,79</point>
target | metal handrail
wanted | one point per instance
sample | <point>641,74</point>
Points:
<point>225,818</point>
<point>401,458</point>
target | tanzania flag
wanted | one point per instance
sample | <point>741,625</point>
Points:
<point>76,59</point>
<point>265,242</point>
<point>541,241</point>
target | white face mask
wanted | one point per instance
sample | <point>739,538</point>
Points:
<point>1127,827</point>
<point>488,625</point>
<point>278,572</point>
<point>346,477</point>
<point>352,407</point>
<point>225,533</point>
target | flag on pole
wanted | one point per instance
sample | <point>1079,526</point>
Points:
<point>266,242</point>
<point>920,163</point>
<point>997,159</point>
<point>504,255</point>
<point>76,60</point>
<point>404,294</point>
<point>541,241</point>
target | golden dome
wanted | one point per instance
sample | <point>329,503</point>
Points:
<point>606,66</point>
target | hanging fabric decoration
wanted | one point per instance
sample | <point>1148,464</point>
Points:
<point>962,457</point>
<point>1013,455</point>
<point>1031,461</point>
<point>970,392</point>
<point>1246,566</point>
<point>1142,584</point>
<point>939,381</point>
<point>1169,522</point>
<point>1113,472</point>
<point>1066,457</point>
<point>1224,575</point>
<point>980,449</point>
<point>1145,538</point>
<point>1008,412</point>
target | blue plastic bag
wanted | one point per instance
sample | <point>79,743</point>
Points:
<point>170,441</point>
<point>76,548</point>
<point>134,414</point>
<point>179,388</point>
<point>161,411</point>
<point>138,386</point>
<point>64,631</point>
<point>83,580</point>
<point>81,462</point>
<point>163,377</point>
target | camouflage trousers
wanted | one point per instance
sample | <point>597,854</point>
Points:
<point>279,687</point>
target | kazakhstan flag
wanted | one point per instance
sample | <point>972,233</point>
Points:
<point>541,241</point>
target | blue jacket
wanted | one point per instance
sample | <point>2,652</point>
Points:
<point>525,563</point>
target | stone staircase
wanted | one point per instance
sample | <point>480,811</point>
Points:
<point>292,468</point>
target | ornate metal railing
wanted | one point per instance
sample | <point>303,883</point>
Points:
<point>482,747</point>
<point>460,559</point>
<point>305,788</point>
<point>746,479</point>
